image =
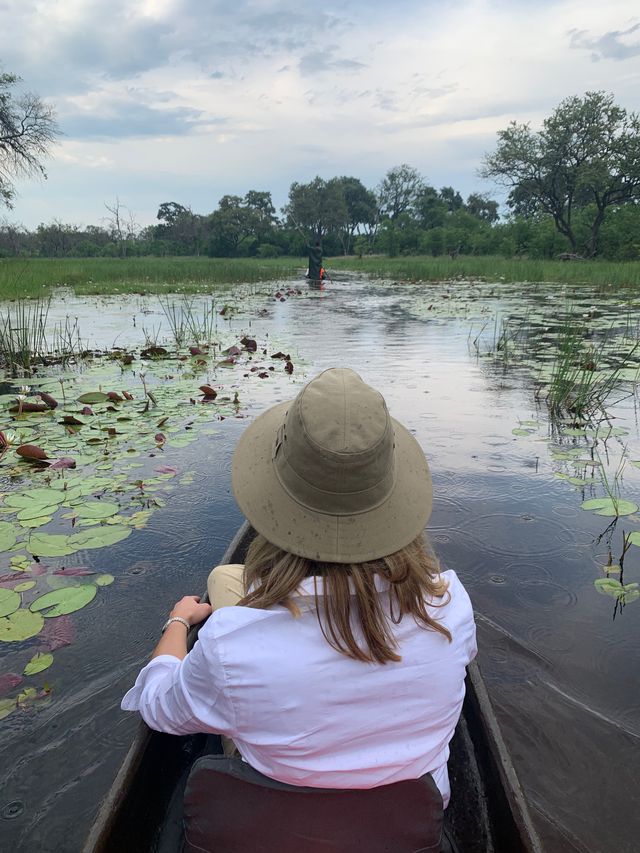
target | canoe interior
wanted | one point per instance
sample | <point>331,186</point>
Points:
<point>487,813</point>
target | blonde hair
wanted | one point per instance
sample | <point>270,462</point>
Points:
<point>273,575</point>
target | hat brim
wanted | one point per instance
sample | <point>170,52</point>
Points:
<point>320,536</point>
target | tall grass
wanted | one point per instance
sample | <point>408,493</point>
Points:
<point>581,382</point>
<point>23,334</point>
<point>36,277</point>
<point>491,268</point>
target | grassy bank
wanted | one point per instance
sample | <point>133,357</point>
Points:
<point>493,269</point>
<point>31,277</point>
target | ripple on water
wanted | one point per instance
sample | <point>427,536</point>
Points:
<point>520,534</point>
<point>545,595</point>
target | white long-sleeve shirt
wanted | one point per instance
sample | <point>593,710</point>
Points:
<point>303,713</point>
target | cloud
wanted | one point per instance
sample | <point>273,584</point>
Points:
<point>610,45</point>
<point>133,120</point>
<point>321,61</point>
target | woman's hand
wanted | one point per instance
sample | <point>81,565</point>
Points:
<point>191,609</point>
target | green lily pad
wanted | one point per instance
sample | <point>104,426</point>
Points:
<point>24,586</point>
<point>104,580</point>
<point>92,397</point>
<point>8,535</point>
<point>36,522</point>
<point>20,625</point>
<point>63,601</point>
<point>516,431</point>
<point>36,511</point>
<point>49,545</point>
<point>98,537</point>
<point>9,601</point>
<point>634,538</point>
<point>7,706</point>
<point>39,662</point>
<point>610,507</point>
<point>96,509</point>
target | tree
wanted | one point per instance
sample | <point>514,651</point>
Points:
<point>451,198</point>
<point>28,129</point>
<point>480,205</point>
<point>361,209</point>
<point>317,208</point>
<point>399,190</point>
<point>585,160</point>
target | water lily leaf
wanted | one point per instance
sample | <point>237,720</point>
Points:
<point>63,601</point>
<point>104,580</point>
<point>39,662</point>
<point>24,586</point>
<point>7,535</point>
<point>578,481</point>
<point>36,511</point>
<point>20,625</point>
<point>32,523</point>
<point>608,586</point>
<point>610,506</point>
<point>31,452</point>
<point>98,537</point>
<point>634,538</point>
<point>35,497</point>
<point>9,601</point>
<point>7,706</point>
<point>49,545</point>
<point>96,509</point>
<point>93,397</point>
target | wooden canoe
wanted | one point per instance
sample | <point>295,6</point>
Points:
<point>487,814</point>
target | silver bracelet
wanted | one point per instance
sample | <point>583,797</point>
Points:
<point>175,619</point>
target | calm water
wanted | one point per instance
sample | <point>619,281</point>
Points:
<point>561,671</point>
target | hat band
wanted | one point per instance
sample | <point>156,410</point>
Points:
<point>330,502</point>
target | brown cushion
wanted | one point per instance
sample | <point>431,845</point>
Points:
<point>231,808</point>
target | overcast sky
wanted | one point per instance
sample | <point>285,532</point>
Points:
<point>186,100</point>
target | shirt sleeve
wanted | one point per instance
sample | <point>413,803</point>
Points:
<point>183,696</point>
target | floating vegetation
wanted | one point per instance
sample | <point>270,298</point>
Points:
<point>83,462</point>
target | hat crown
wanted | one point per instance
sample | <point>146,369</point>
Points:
<point>335,451</point>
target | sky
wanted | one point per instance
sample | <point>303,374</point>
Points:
<point>187,100</point>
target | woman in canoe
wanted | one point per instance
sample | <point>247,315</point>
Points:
<point>343,664</point>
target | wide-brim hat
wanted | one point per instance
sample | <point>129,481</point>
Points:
<point>331,476</point>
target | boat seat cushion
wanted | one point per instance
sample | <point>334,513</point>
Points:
<point>231,808</point>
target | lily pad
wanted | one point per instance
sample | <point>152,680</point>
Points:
<point>98,537</point>
<point>104,580</point>
<point>9,601</point>
<point>96,509</point>
<point>24,586</point>
<point>610,506</point>
<point>7,535</point>
<point>634,538</point>
<point>49,545</point>
<point>20,625</point>
<point>7,706</point>
<point>62,601</point>
<point>39,662</point>
<point>93,397</point>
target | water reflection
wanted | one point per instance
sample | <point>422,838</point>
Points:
<point>561,672</point>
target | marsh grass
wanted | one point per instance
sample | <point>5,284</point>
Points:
<point>36,277</point>
<point>493,269</point>
<point>190,322</point>
<point>23,334</point>
<point>582,382</point>
<point>24,341</point>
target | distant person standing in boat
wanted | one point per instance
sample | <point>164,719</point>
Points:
<point>342,663</point>
<point>315,262</point>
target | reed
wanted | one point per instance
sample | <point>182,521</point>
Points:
<point>37,277</point>
<point>582,383</point>
<point>493,269</point>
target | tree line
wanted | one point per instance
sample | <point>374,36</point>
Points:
<point>573,191</point>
